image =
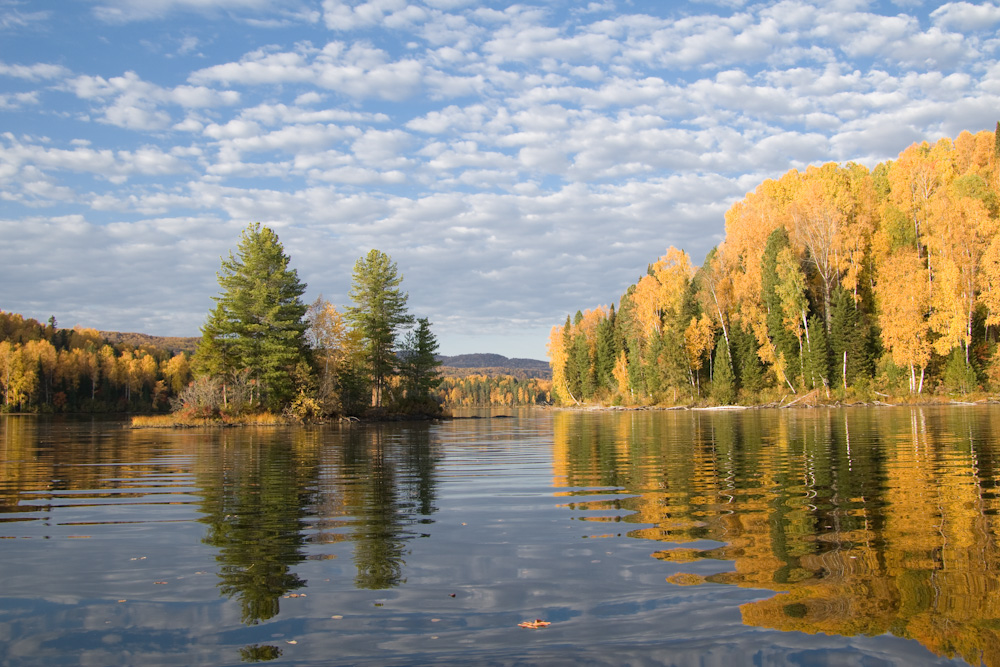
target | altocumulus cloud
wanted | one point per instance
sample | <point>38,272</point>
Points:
<point>518,161</point>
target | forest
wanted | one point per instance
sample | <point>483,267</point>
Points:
<point>478,390</point>
<point>839,281</point>
<point>44,368</point>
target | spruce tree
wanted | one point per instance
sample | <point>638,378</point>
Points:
<point>604,362</point>
<point>419,364</point>
<point>785,342</point>
<point>379,314</point>
<point>850,343</point>
<point>747,365</point>
<point>723,378</point>
<point>257,325</point>
<point>816,366</point>
<point>583,366</point>
<point>571,370</point>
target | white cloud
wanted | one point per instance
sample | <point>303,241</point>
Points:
<point>12,101</point>
<point>966,17</point>
<point>345,16</point>
<point>132,103</point>
<point>12,18</point>
<point>36,72</point>
<point>123,11</point>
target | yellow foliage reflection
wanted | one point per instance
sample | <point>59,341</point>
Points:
<point>865,521</point>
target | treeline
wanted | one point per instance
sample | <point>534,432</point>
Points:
<point>47,369</point>
<point>851,281</point>
<point>486,391</point>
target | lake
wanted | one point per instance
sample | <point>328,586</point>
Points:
<point>758,537</point>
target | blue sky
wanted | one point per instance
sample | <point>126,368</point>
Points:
<point>517,161</point>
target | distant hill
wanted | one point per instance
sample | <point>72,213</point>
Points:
<point>172,343</point>
<point>493,365</point>
<point>492,361</point>
<point>456,366</point>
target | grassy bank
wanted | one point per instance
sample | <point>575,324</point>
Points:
<point>187,421</point>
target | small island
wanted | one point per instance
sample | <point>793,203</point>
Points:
<point>266,357</point>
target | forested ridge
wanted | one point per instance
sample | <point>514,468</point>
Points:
<point>50,369</point>
<point>855,283</point>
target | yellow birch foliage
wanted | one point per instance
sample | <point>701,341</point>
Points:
<point>557,361</point>
<point>989,297</point>
<point>748,225</point>
<point>715,287</point>
<point>588,326</point>
<point>698,339</point>
<point>903,304</point>
<point>961,231</point>
<point>177,372</point>
<point>817,220</point>
<point>620,372</point>
<point>660,294</point>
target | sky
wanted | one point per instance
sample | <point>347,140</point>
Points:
<point>519,162</point>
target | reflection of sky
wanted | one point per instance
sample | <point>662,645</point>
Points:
<point>501,540</point>
<point>519,160</point>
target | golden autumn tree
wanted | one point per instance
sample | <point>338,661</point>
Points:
<point>749,224</point>
<point>961,232</point>
<point>557,362</point>
<point>817,221</point>
<point>903,306</point>
<point>699,337</point>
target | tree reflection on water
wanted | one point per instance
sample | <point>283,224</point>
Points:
<point>866,521</point>
<point>269,495</point>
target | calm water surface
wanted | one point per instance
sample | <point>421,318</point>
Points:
<point>798,537</point>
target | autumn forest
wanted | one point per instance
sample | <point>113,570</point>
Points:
<point>836,281</point>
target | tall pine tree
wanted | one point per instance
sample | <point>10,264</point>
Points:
<point>257,324</point>
<point>379,314</point>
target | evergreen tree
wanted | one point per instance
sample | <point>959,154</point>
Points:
<point>747,365</point>
<point>723,379</point>
<point>419,364</point>
<point>583,366</point>
<point>816,365</point>
<point>785,343</point>
<point>574,382</point>
<point>257,324</point>
<point>850,345</point>
<point>378,315</point>
<point>604,361</point>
